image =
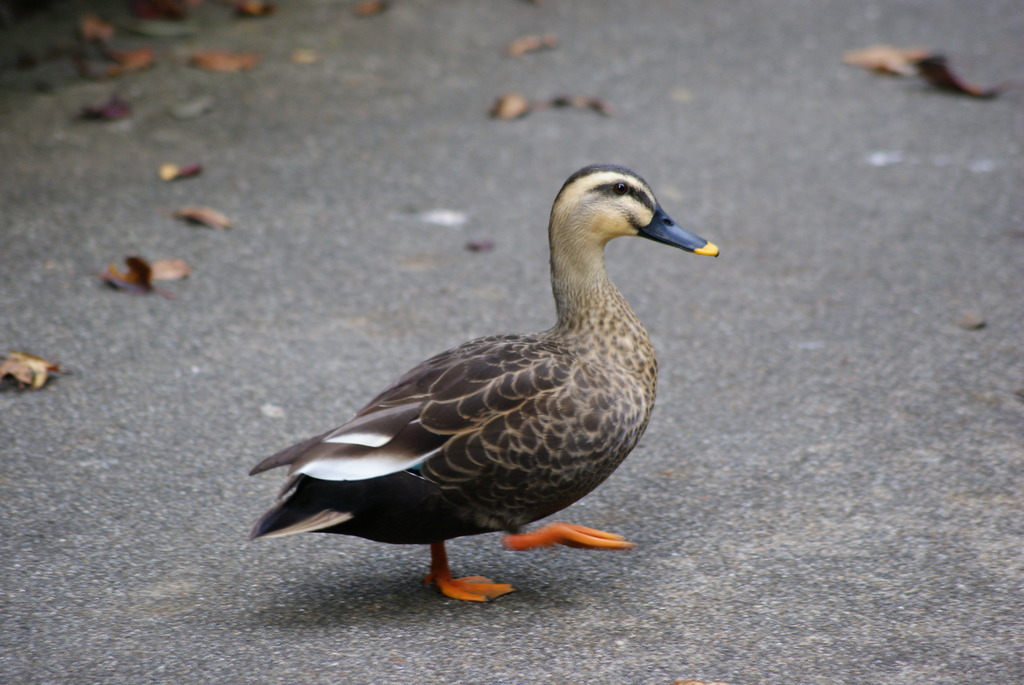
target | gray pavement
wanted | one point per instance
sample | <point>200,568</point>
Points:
<point>830,490</point>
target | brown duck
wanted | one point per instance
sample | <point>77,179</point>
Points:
<point>505,430</point>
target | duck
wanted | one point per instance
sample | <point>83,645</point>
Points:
<point>502,431</point>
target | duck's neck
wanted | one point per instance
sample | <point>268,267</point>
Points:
<point>592,313</point>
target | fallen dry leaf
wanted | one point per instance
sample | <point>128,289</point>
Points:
<point>254,8</point>
<point>510,106</point>
<point>205,216</point>
<point>213,60</point>
<point>514,105</point>
<point>138,280</point>
<point>113,108</point>
<point>169,270</point>
<point>368,8</point>
<point>582,101</point>
<point>886,59</point>
<point>935,70</point>
<point>172,172</point>
<point>130,60</point>
<point>479,245</point>
<point>95,54</point>
<point>109,63</point>
<point>525,44</point>
<point>92,29</point>
<point>28,370</point>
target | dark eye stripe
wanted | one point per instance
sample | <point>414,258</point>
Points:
<point>631,190</point>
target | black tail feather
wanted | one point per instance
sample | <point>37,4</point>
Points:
<point>400,508</point>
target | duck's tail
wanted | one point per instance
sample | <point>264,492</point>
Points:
<point>298,513</point>
<point>399,508</point>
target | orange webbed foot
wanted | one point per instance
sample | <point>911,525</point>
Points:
<point>470,588</point>
<point>568,534</point>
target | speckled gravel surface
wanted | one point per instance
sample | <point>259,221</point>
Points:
<point>830,490</point>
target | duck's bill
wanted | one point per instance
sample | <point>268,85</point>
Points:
<point>663,230</point>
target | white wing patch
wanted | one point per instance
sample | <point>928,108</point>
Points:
<point>375,429</point>
<point>362,468</point>
<point>366,439</point>
<point>382,441</point>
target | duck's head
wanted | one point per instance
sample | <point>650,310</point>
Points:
<point>601,202</point>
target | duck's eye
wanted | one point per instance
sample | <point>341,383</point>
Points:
<point>620,188</point>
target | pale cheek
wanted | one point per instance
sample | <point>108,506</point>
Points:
<point>612,227</point>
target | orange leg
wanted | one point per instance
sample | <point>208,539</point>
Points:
<point>568,534</point>
<point>471,588</point>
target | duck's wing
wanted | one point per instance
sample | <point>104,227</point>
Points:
<point>450,394</point>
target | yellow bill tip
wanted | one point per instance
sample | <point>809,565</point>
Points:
<point>710,249</point>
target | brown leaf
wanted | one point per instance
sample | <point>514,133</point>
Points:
<point>169,270</point>
<point>525,44</point>
<point>172,172</point>
<point>28,370</point>
<point>138,280</point>
<point>114,108</point>
<point>479,245</point>
<point>514,105</point>
<point>368,8</point>
<point>213,60</point>
<point>92,29</point>
<point>935,70</point>
<point>582,101</point>
<point>205,216</point>
<point>254,8</point>
<point>510,106</point>
<point>886,59</point>
<point>130,60</point>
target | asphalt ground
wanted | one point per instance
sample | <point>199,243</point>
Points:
<point>830,490</point>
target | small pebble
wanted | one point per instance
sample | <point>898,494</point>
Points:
<point>971,321</point>
<point>272,410</point>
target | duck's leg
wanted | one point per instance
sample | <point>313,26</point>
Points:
<point>471,588</point>
<point>568,534</point>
